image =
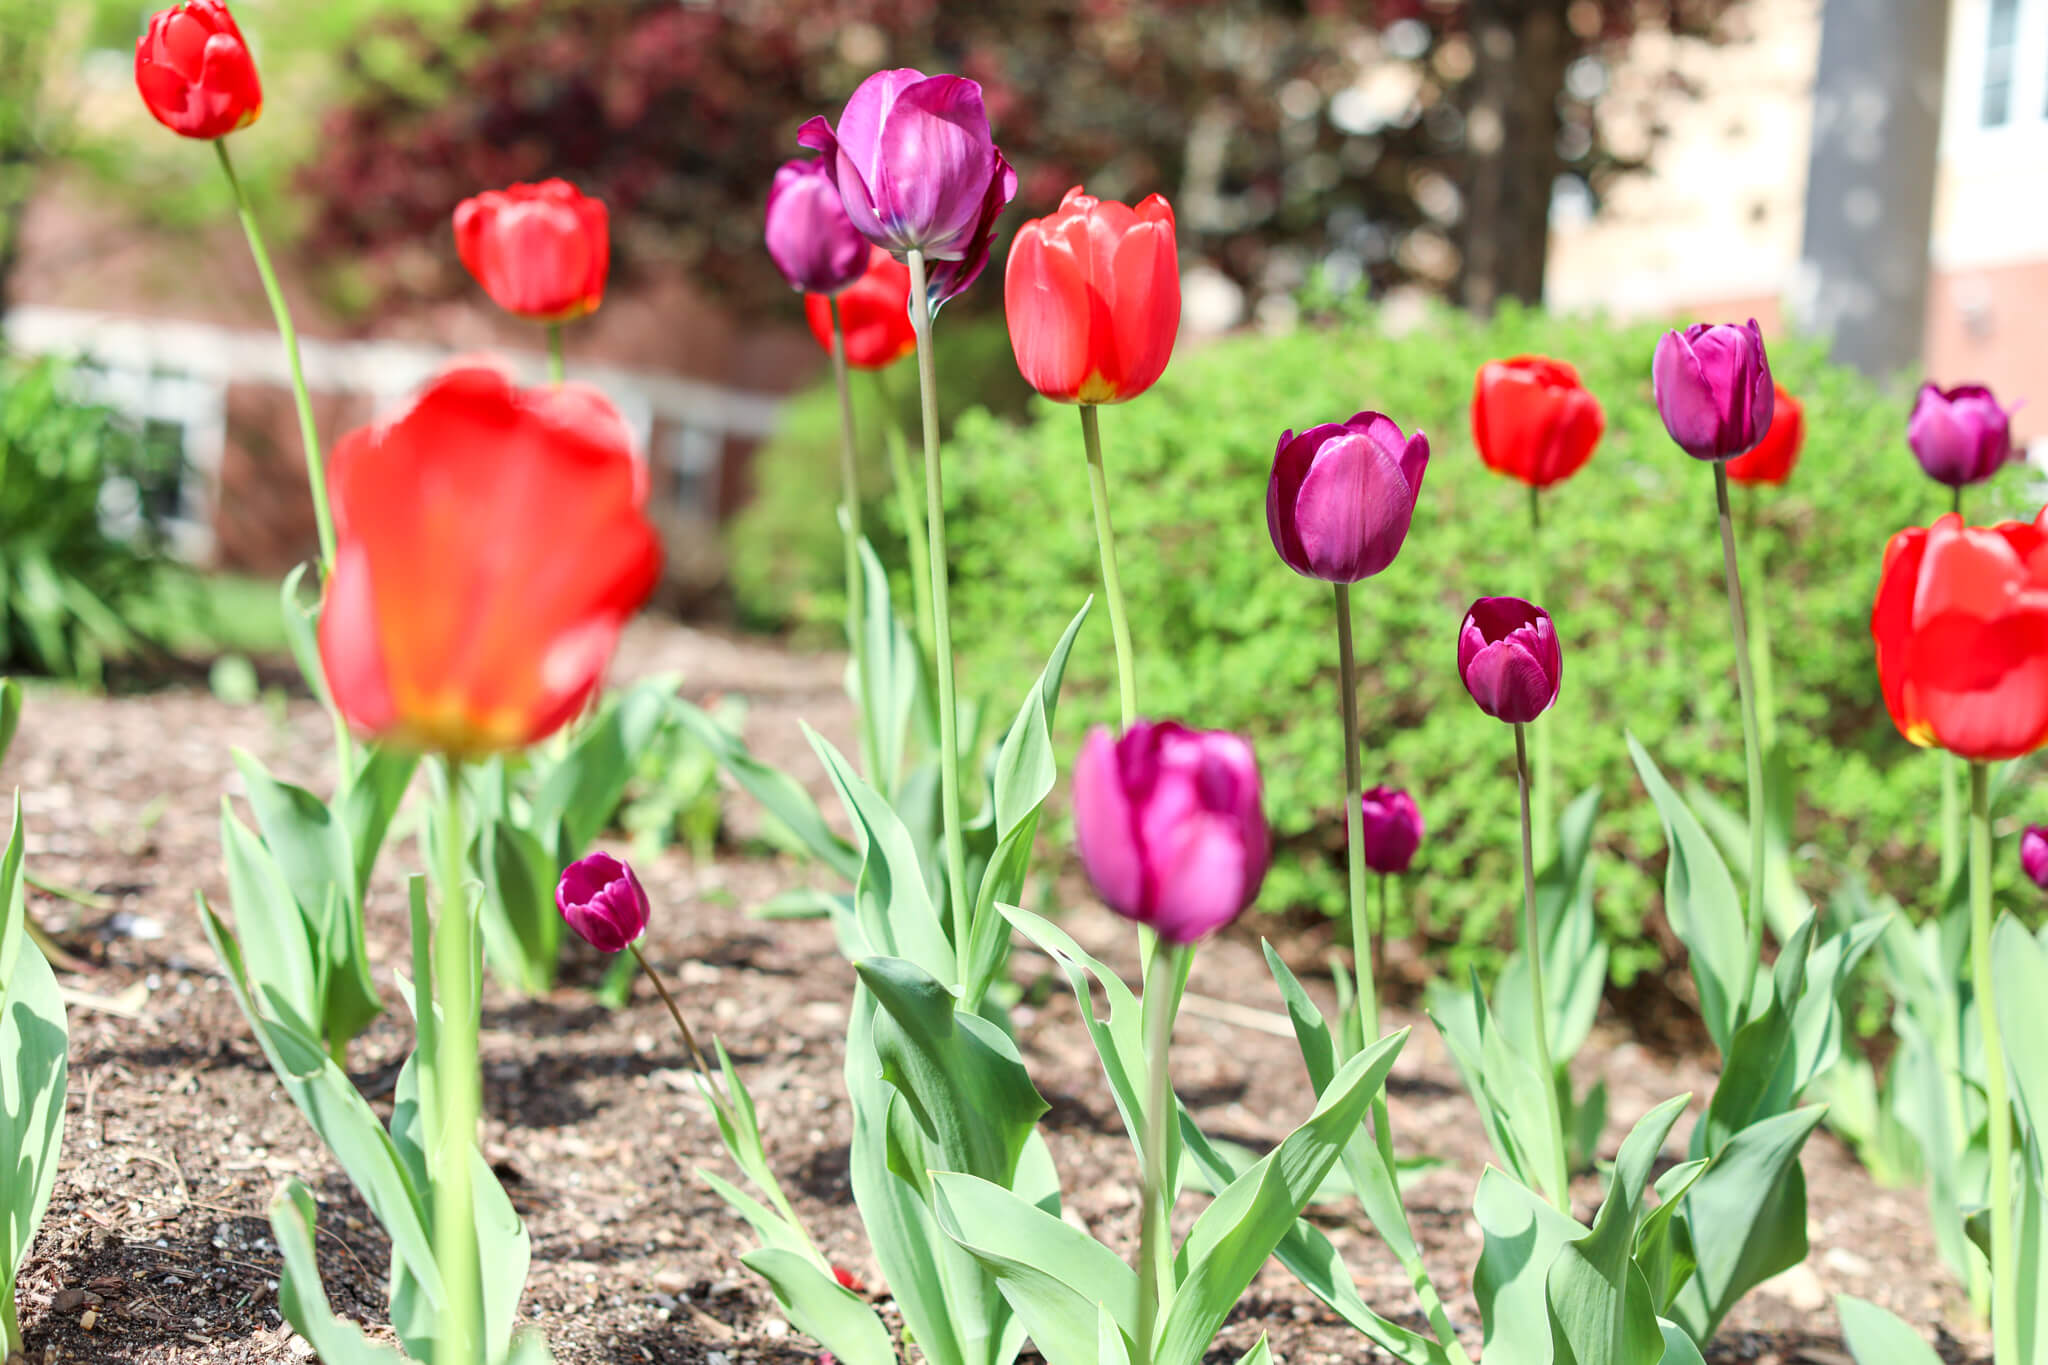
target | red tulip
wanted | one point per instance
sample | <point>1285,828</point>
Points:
<point>1093,298</point>
<point>1961,623</point>
<point>195,72</point>
<point>874,310</point>
<point>1772,461</point>
<point>540,251</point>
<point>492,546</point>
<point>1533,420</point>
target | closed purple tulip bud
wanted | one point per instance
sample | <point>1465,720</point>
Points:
<point>1510,660</point>
<point>603,902</point>
<point>1393,830</point>
<point>1961,435</point>
<point>1713,387</point>
<point>812,241</point>
<point>1170,825</point>
<point>919,170</point>
<point>2034,854</point>
<point>1342,495</point>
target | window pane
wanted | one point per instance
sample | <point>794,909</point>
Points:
<point>1999,39</point>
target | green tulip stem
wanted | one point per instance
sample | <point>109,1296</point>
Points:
<point>1955,502</point>
<point>1367,967</point>
<point>1952,838</point>
<point>1112,584</point>
<point>309,434</point>
<point>905,480</point>
<point>1745,682</point>
<point>856,574</point>
<point>557,365</point>
<point>2005,1303</point>
<point>1163,976</point>
<point>1546,791</point>
<point>942,640</point>
<point>1379,928</point>
<point>1539,1014</point>
<point>459,1086</point>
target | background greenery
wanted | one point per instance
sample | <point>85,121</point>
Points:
<point>1630,562</point>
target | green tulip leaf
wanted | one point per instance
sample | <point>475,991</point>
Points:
<point>1746,1217</point>
<point>1701,903</point>
<point>300,1296</point>
<point>781,795</point>
<point>821,1308</point>
<point>34,1062</point>
<point>1876,1336</point>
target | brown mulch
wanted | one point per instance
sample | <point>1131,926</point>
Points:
<point>157,1249</point>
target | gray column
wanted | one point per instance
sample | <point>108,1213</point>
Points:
<point>1870,186</point>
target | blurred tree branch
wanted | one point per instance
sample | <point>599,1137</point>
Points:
<point>1388,141</point>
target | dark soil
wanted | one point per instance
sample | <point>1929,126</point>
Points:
<point>157,1248</point>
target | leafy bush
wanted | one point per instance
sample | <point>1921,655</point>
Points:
<point>1226,635</point>
<point>76,587</point>
<point>787,562</point>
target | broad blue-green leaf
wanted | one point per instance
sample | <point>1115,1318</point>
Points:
<point>581,791</point>
<point>1507,1086</point>
<point>1311,1031</point>
<point>1523,1236</point>
<point>1786,907</point>
<point>1574,956</point>
<point>770,1227</point>
<point>276,941</point>
<point>1236,1233</point>
<point>1310,1257</point>
<point>372,800</point>
<point>1701,903</point>
<point>1601,1308</point>
<point>312,848</point>
<point>10,713</point>
<point>1119,1039</point>
<point>1663,1244</point>
<point>893,904</point>
<point>960,1075</point>
<point>1259,1354</point>
<point>1747,1218</point>
<point>1678,1347</point>
<point>522,929</point>
<point>331,1103</point>
<point>1112,1347</point>
<point>1055,1278</point>
<point>2019,973</point>
<point>1876,1336</point>
<point>34,1051</point>
<point>779,793</point>
<point>301,1298</point>
<point>1058,1278</point>
<point>821,1308</point>
<point>898,666</point>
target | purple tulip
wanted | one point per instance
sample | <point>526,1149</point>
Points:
<point>2034,854</point>
<point>603,902</point>
<point>1961,435</point>
<point>1713,387</point>
<point>919,171</point>
<point>812,241</point>
<point>1342,495</point>
<point>1393,830</point>
<point>1170,826</point>
<point>1509,658</point>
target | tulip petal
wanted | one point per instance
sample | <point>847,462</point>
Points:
<point>1203,876</point>
<point>1105,825</point>
<point>1684,398</point>
<point>1143,296</point>
<point>932,165</point>
<point>1047,303</point>
<point>1353,510</point>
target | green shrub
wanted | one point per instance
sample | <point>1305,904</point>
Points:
<point>787,563</point>
<point>75,590</point>
<point>1227,636</point>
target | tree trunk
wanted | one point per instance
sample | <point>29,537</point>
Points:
<point>1520,51</point>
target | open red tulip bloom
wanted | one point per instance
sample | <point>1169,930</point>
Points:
<point>1093,298</point>
<point>542,252</point>
<point>1961,623</point>
<point>1773,459</point>
<point>1533,420</point>
<point>195,72</point>
<point>874,311</point>
<point>492,546</point>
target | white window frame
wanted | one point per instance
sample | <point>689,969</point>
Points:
<point>2026,121</point>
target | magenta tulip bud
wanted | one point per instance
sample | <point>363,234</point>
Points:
<point>603,902</point>
<point>1342,495</point>
<point>2034,855</point>
<point>1713,387</point>
<point>919,170</point>
<point>1509,658</point>
<point>1170,825</point>
<point>810,238</point>
<point>1393,830</point>
<point>1961,435</point>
